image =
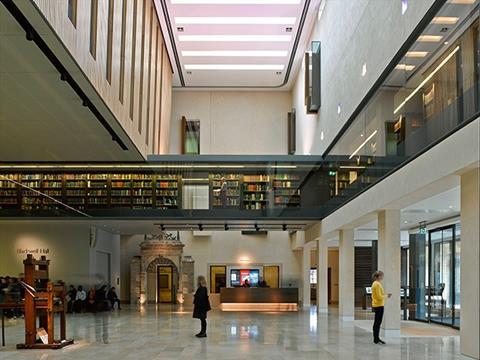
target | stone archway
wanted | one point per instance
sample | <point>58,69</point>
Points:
<point>158,250</point>
<point>152,279</point>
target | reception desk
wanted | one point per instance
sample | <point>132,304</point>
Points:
<point>259,299</point>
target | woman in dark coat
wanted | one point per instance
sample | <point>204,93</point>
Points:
<point>201,305</point>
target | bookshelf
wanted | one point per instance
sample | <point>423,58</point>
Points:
<point>286,190</point>
<point>31,200</point>
<point>120,190</point>
<point>8,191</point>
<point>97,190</point>
<point>76,190</point>
<point>142,191</point>
<point>167,192</point>
<point>52,185</point>
<point>256,191</point>
<point>232,194</point>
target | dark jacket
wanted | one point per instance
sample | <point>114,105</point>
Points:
<point>201,303</point>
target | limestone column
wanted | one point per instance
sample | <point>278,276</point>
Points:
<point>322,275</point>
<point>306,275</point>
<point>346,275</point>
<point>389,251</point>
<point>469,265</point>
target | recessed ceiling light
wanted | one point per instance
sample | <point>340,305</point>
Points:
<point>364,69</point>
<point>339,108</point>
<point>429,38</point>
<point>445,20</point>
<point>322,136</point>
<point>236,38</point>
<point>404,6</point>
<point>220,20</point>
<point>416,54</point>
<point>238,2</point>
<point>462,2</point>
<point>235,53</point>
<point>234,67</point>
<point>405,67</point>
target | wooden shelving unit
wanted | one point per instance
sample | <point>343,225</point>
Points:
<point>256,191</point>
<point>232,194</point>
<point>97,190</point>
<point>142,191</point>
<point>286,190</point>
<point>31,200</point>
<point>167,191</point>
<point>76,190</point>
<point>52,185</point>
<point>8,191</point>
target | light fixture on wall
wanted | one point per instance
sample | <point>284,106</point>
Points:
<point>412,94</point>
<point>363,144</point>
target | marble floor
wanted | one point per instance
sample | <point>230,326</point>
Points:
<point>168,333</point>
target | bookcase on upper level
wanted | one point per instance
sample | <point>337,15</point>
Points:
<point>232,194</point>
<point>256,192</point>
<point>8,191</point>
<point>167,191</point>
<point>286,190</point>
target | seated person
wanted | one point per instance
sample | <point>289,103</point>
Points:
<point>263,284</point>
<point>113,298</point>
<point>246,283</point>
<point>71,298</point>
<point>80,300</point>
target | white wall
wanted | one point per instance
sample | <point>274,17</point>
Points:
<point>233,122</point>
<point>231,248</point>
<point>106,243</point>
<point>351,35</point>
<point>66,245</point>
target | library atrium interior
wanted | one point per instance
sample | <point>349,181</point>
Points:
<point>240,179</point>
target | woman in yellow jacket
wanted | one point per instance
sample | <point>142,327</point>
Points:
<point>378,302</point>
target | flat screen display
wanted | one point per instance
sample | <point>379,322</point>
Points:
<point>238,277</point>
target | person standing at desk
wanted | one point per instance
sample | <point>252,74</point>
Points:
<point>201,305</point>
<point>246,283</point>
<point>378,303</point>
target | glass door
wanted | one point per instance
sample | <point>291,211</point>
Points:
<point>442,279</point>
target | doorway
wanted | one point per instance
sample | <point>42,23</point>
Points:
<point>164,284</point>
<point>443,293</point>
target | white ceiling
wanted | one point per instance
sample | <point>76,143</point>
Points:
<point>268,35</point>
<point>439,207</point>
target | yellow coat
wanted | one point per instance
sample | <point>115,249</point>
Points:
<point>378,295</point>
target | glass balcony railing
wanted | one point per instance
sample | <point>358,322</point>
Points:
<point>428,93</point>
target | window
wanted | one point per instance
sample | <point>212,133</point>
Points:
<point>109,40</point>
<point>132,68</point>
<point>142,60</point>
<point>155,91</point>
<point>93,27</point>
<point>313,276</point>
<point>191,136</point>
<point>72,11</point>
<point>149,76</point>
<point>122,51</point>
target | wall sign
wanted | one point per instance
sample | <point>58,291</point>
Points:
<point>33,251</point>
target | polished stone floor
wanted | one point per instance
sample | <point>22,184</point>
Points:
<point>167,333</point>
